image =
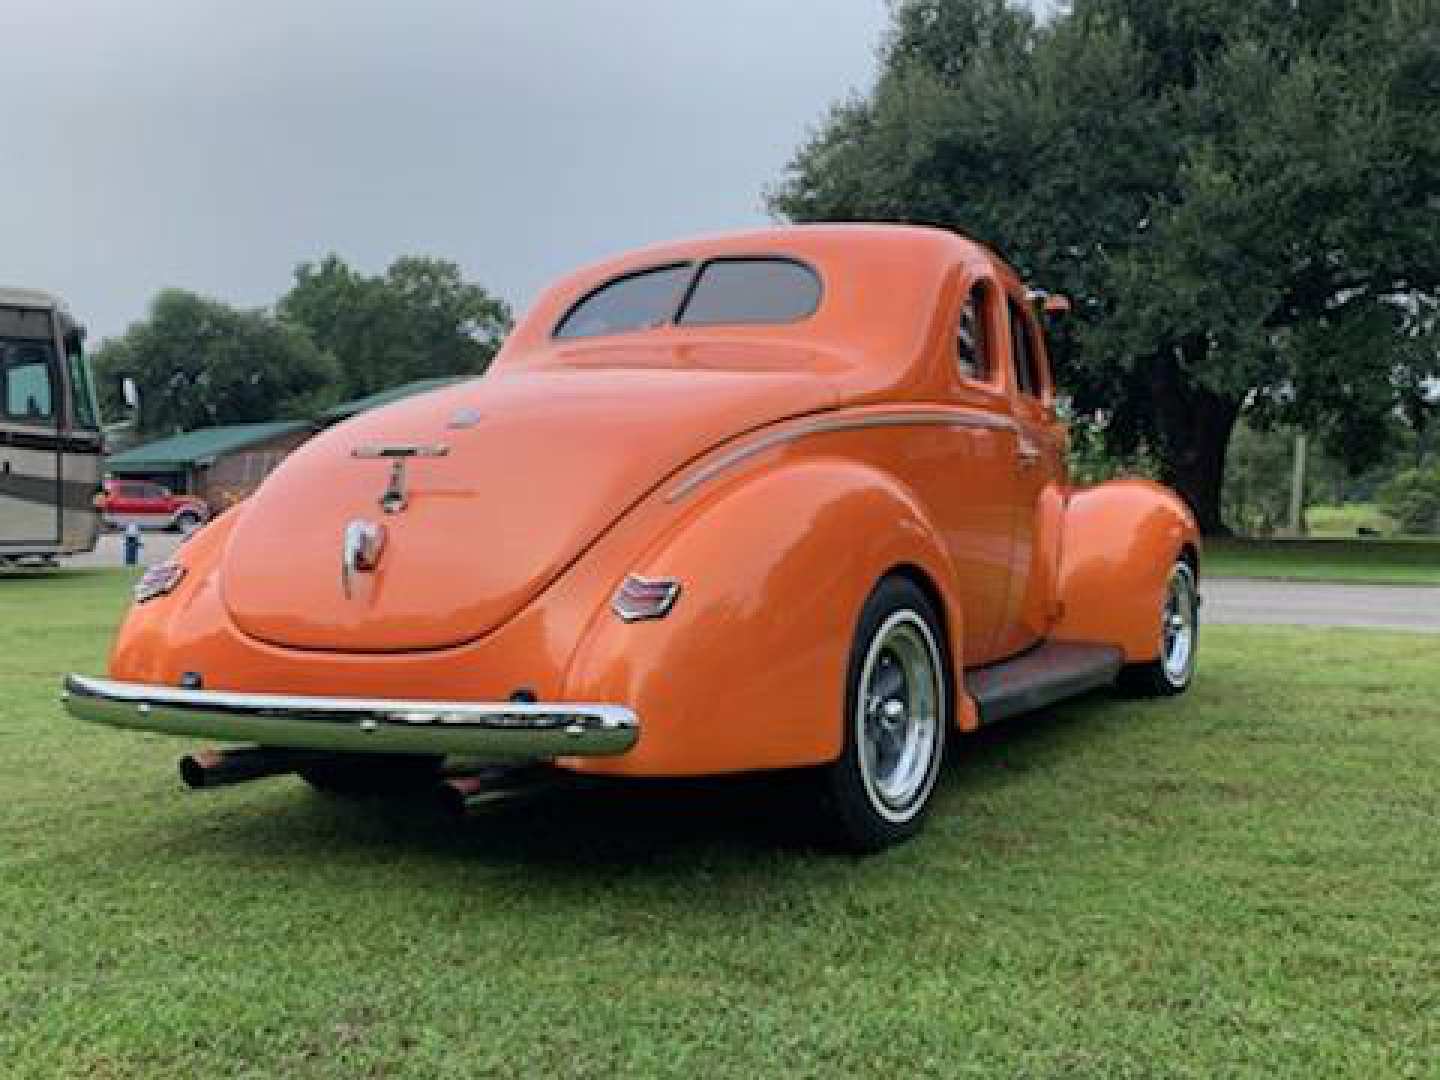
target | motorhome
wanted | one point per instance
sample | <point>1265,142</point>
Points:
<point>51,439</point>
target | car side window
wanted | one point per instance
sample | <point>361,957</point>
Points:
<point>972,340</point>
<point>1024,354</point>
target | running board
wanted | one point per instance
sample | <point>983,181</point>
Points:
<point>1045,674</point>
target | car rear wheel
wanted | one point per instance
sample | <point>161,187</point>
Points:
<point>1174,669</point>
<point>896,720</point>
<point>363,775</point>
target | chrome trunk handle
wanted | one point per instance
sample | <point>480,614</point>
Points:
<point>394,499</point>
<point>400,450</point>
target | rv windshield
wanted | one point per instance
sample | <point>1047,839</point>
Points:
<point>30,384</point>
<point>28,387</point>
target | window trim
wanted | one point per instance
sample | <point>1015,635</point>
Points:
<point>683,292</point>
<point>697,270</point>
<point>988,290</point>
<point>679,319</point>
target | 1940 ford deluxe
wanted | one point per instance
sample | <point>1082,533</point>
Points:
<point>791,498</point>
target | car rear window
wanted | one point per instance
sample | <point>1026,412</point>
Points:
<point>634,302</point>
<point>752,291</point>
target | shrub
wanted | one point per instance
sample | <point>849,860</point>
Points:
<point>1413,499</point>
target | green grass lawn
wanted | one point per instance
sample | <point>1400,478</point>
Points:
<point>1243,882</point>
<point>1399,562</point>
<point>1344,520</point>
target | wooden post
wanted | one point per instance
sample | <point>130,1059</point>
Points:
<point>1297,488</point>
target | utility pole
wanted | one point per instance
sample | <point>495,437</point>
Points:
<point>1297,488</point>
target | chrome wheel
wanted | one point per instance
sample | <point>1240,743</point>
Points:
<point>897,716</point>
<point>1179,623</point>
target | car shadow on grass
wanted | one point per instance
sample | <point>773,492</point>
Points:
<point>597,824</point>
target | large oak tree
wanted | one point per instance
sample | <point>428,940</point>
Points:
<point>1240,194</point>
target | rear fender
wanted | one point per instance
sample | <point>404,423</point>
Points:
<point>143,650</point>
<point>747,671</point>
<point>1121,539</point>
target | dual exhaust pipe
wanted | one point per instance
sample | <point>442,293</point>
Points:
<point>236,765</point>
<point>460,795</point>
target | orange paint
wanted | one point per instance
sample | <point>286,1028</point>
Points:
<point>777,471</point>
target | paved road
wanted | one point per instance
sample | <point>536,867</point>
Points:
<point>1227,600</point>
<point>1296,603</point>
<point>110,551</point>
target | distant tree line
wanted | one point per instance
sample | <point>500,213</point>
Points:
<point>335,335</point>
<point>1242,196</point>
<point>1399,491</point>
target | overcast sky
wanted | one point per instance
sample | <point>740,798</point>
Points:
<point>212,145</point>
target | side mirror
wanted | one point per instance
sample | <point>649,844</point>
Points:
<point>130,394</point>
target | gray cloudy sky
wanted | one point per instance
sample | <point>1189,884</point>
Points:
<point>212,144</point>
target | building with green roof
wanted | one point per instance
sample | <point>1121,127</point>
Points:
<point>201,447</point>
<point>224,464</point>
<point>219,464</point>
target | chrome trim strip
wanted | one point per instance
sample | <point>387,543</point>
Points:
<point>503,730</point>
<point>400,450</point>
<point>937,418</point>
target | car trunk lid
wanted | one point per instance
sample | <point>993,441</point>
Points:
<point>538,463</point>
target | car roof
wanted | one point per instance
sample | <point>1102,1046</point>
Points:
<point>881,282</point>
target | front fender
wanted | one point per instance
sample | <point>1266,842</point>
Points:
<point>748,669</point>
<point>1121,539</point>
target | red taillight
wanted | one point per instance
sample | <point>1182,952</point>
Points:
<point>645,598</point>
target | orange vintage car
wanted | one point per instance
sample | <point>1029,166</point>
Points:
<point>785,499</point>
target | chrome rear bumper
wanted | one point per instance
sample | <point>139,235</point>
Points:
<point>502,730</point>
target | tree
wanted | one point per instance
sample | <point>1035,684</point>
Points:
<point>1257,483</point>
<point>1238,193</point>
<point>198,362</point>
<point>420,319</point>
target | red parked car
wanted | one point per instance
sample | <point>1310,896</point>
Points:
<point>151,506</point>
